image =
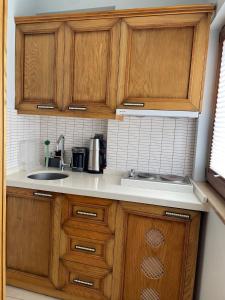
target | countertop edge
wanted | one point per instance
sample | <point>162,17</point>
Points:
<point>202,207</point>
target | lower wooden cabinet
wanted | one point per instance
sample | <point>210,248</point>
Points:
<point>113,251</point>
<point>33,236</point>
<point>155,255</point>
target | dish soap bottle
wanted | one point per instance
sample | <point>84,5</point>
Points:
<point>47,155</point>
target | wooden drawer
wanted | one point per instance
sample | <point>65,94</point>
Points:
<point>87,247</point>
<point>89,213</point>
<point>85,281</point>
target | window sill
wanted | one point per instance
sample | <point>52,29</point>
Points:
<point>214,199</point>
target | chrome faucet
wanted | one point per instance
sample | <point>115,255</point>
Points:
<point>61,140</point>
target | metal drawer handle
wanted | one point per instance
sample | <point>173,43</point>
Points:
<point>81,108</point>
<point>83,248</point>
<point>134,104</point>
<point>86,283</point>
<point>177,215</point>
<point>86,213</point>
<point>45,107</point>
<point>42,195</point>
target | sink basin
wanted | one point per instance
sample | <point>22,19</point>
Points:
<point>47,176</point>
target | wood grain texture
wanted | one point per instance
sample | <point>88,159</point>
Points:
<point>102,255</point>
<point>33,234</point>
<point>180,240</point>
<point>159,57</point>
<point>39,65</point>
<point>160,74</point>
<point>104,211</point>
<point>3,81</point>
<point>91,66</point>
<point>100,278</point>
<point>169,10</point>
<point>156,57</point>
<point>28,232</point>
<point>114,270</point>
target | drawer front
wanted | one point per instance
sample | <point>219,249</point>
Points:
<point>89,213</point>
<point>85,281</point>
<point>93,252</point>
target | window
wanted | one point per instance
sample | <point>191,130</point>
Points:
<point>216,171</point>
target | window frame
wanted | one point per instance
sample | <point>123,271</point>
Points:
<point>217,182</point>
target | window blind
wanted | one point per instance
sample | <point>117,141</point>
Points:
<point>217,159</point>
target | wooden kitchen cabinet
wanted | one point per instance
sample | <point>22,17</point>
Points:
<point>155,254</point>
<point>85,248</point>
<point>33,234</point>
<point>39,67</point>
<point>162,61</point>
<point>89,64</point>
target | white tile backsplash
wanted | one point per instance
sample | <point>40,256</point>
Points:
<point>162,145</point>
<point>19,128</point>
<point>77,132</point>
<point>148,144</point>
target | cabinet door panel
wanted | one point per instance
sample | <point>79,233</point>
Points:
<point>39,66</point>
<point>28,235</point>
<point>154,73</point>
<point>33,237</point>
<point>91,62</point>
<point>162,61</point>
<point>155,254</point>
<point>154,258</point>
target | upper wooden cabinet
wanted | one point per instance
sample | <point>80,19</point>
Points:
<point>87,65</point>
<point>162,61</point>
<point>39,66</point>
<point>91,65</point>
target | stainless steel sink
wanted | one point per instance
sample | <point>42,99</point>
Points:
<point>48,176</point>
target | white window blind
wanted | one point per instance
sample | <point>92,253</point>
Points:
<point>217,160</point>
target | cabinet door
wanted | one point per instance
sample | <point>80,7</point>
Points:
<point>160,253</point>
<point>39,67</point>
<point>162,61</point>
<point>33,232</point>
<point>91,67</point>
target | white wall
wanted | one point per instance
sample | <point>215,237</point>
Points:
<point>212,268</point>
<point>206,117</point>
<point>58,5</point>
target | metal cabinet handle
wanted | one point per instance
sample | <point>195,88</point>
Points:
<point>45,107</point>
<point>82,282</point>
<point>134,104</point>
<point>86,213</point>
<point>81,108</point>
<point>177,215</point>
<point>42,195</point>
<point>83,248</point>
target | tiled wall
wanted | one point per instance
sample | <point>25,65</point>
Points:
<point>77,132</point>
<point>162,145</point>
<point>19,128</point>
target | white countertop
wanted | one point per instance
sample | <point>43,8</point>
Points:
<point>106,186</point>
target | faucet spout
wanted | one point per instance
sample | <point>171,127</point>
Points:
<point>61,140</point>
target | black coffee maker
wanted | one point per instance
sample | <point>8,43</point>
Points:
<point>79,160</point>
